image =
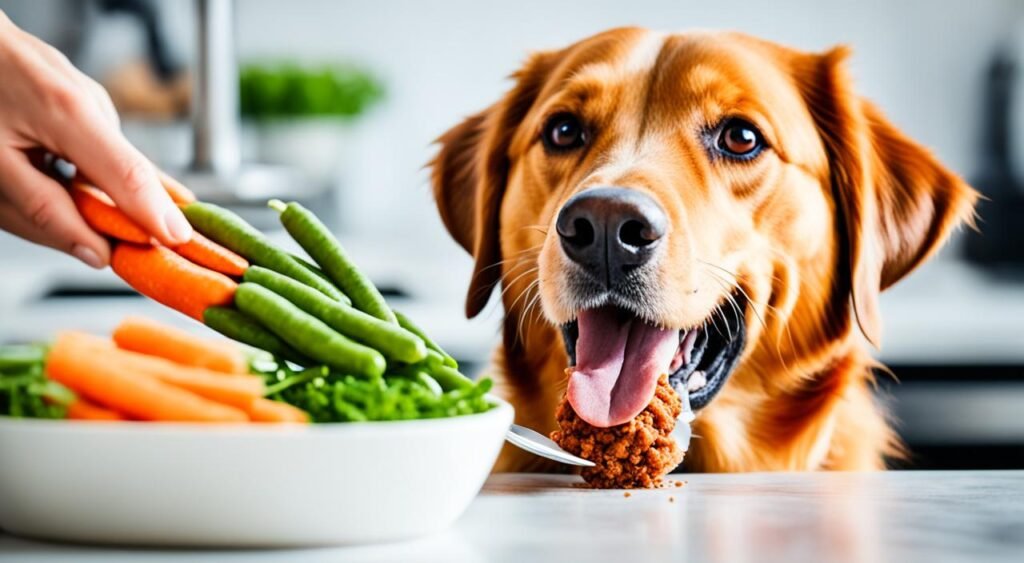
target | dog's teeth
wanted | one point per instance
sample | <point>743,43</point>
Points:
<point>686,345</point>
<point>696,381</point>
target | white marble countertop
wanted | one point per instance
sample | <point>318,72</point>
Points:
<point>791,517</point>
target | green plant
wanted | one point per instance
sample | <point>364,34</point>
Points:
<point>288,90</point>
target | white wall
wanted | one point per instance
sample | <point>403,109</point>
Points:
<point>922,60</point>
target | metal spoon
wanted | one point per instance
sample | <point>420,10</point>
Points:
<point>682,433</point>
<point>539,444</point>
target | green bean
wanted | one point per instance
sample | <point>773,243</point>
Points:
<point>236,325</point>
<point>316,239</point>
<point>434,361</point>
<point>391,340</point>
<point>450,379</point>
<point>231,231</point>
<point>16,358</point>
<point>320,274</point>
<point>306,333</point>
<point>420,376</point>
<point>407,323</point>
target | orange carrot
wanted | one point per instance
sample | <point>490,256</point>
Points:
<point>146,336</point>
<point>179,193</point>
<point>105,218</point>
<point>82,409</point>
<point>266,410</point>
<point>162,275</point>
<point>209,254</point>
<point>115,385</point>
<point>234,390</point>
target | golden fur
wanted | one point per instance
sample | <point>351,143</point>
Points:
<point>840,207</point>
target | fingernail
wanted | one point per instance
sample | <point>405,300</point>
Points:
<point>177,226</point>
<point>87,255</point>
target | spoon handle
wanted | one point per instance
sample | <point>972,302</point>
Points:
<point>536,443</point>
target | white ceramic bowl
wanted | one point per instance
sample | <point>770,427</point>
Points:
<point>243,486</point>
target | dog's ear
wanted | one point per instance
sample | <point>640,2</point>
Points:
<point>895,202</point>
<point>470,171</point>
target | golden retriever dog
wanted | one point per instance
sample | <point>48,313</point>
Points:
<point>707,205</point>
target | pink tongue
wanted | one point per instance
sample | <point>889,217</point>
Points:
<point>618,363</point>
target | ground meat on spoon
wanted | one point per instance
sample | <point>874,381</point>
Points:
<point>633,455</point>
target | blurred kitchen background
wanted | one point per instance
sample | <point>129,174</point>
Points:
<point>340,101</point>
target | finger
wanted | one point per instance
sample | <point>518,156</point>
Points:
<point>13,222</point>
<point>62,66</point>
<point>46,213</point>
<point>85,132</point>
<point>103,155</point>
<point>57,60</point>
<point>103,101</point>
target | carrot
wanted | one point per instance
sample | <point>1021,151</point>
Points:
<point>178,192</point>
<point>82,409</point>
<point>209,254</point>
<point>163,276</point>
<point>146,336</point>
<point>234,390</point>
<point>104,217</point>
<point>267,410</point>
<point>116,385</point>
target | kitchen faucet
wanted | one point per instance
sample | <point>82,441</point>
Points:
<point>217,172</point>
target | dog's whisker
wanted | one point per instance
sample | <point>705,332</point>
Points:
<point>717,267</point>
<point>543,229</point>
<point>511,310</point>
<point>528,311</point>
<point>518,261</point>
<point>714,323</point>
<point>769,309</point>
<point>735,306</point>
<point>526,295</point>
<point>512,307</point>
<point>528,263</point>
<point>518,256</point>
<point>737,279</point>
<point>512,269</point>
<point>728,294</point>
<point>786,329</point>
<point>737,286</point>
<point>519,325</point>
<point>508,286</point>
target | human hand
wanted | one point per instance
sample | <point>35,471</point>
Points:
<point>47,104</point>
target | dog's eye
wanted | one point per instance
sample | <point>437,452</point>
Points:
<point>563,132</point>
<point>740,139</point>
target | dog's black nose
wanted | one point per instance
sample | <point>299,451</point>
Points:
<point>610,231</point>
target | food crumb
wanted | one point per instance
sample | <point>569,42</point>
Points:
<point>679,483</point>
<point>627,494</point>
<point>671,499</point>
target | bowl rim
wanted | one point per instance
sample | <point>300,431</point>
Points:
<point>501,408</point>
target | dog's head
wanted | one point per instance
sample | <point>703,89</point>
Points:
<point>681,203</point>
